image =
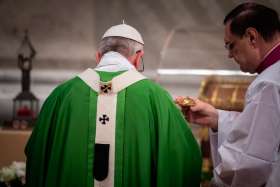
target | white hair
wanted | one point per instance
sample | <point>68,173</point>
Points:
<point>124,46</point>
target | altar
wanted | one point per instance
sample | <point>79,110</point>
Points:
<point>12,144</point>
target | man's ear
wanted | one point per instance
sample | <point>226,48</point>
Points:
<point>98,57</point>
<point>252,34</point>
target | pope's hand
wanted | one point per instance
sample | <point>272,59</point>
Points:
<point>200,113</point>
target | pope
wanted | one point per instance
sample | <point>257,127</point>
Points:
<point>111,126</point>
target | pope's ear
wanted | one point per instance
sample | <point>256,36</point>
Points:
<point>139,54</point>
<point>138,59</point>
<point>98,57</point>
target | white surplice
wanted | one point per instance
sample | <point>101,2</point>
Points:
<point>245,150</point>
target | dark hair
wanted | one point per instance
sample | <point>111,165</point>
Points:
<point>265,20</point>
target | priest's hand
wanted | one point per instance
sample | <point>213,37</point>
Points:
<point>200,113</point>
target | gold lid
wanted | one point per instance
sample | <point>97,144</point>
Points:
<point>185,102</point>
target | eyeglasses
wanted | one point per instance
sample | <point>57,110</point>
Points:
<point>142,65</point>
<point>229,45</point>
<point>141,68</point>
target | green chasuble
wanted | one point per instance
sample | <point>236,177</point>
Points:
<point>154,146</point>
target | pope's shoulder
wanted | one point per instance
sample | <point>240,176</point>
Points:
<point>66,87</point>
<point>148,86</point>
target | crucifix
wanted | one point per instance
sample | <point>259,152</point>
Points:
<point>103,119</point>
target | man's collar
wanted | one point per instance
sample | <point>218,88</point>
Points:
<point>271,57</point>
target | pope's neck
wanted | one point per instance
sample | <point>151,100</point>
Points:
<point>113,61</point>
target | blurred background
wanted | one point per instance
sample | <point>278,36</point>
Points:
<point>178,34</point>
<point>183,42</point>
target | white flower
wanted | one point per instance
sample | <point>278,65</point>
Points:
<point>7,174</point>
<point>19,168</point>
<point>15,170</point>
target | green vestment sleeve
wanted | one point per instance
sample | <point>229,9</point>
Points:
<point>178,156</point>
<point>58,149</point>
<point>159,148</point>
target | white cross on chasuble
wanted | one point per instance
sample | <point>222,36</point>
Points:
<point>106,120</point>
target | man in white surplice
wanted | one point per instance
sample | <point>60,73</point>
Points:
<point>245,146</point>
